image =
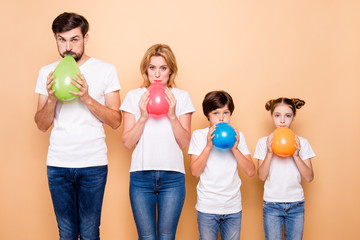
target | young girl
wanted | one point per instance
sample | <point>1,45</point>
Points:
<point>218,191</point>
<point>157,182</point>
<point>283,193</point>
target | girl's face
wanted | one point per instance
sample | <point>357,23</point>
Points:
<point>158,70</point>
<point>219,115</point>
<point>282,116</point>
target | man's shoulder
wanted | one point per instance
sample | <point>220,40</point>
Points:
<point>94,62</point>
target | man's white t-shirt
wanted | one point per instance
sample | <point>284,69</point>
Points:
<point>157,148</point>
<point>218,191</point>
<point>77,139</point>
<point>283,183</point>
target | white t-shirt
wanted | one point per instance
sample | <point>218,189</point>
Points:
<point>283,183</point>
<point>78,139</point>
<point>157,148</point>
<point>218,191</point>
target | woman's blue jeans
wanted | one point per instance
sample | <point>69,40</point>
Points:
<point>290,214</point>
<point>77,195</point>
<point>157,194</point>
<point>229,225</point>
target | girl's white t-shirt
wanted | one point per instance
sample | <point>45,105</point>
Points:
<point>218,191</point>
<point>157,148</point>
<point>283,183</point>
<point>77,139</point>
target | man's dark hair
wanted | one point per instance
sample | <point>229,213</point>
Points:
<point>68,21</point>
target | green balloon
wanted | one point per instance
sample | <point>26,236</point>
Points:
<point>63,74</point>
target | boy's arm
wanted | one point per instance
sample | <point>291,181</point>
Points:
<point>198,162</point>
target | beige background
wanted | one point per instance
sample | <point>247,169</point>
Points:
<point>255,50</point>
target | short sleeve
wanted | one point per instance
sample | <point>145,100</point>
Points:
<point>261,149</point>
<point>112,80</point>
<point>196,143</point>
<point>186,105</point>
<point>41,82</point>
<point>242,145</point>
<point>306,152</point>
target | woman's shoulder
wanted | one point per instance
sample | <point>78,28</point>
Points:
<point>136,91</point>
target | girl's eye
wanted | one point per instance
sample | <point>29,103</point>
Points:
<point>276,115</point>
<point>289,116</point>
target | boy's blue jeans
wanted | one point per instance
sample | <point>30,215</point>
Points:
<point>290,214</point>
<point>77,195</point>
<point>229,225</point>
<point>158,194</point>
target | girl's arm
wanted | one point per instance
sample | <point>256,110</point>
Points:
<point>181,126</point>
<point>133,129</point>
<point>198,162</point>
<point>264,165</point>
<point>304,166</point>
<point>245,162</point>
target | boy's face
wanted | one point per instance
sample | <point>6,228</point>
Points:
<point>219,115</point>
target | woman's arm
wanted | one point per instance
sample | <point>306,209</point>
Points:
<point>181,126</point>
<point>134,129</point>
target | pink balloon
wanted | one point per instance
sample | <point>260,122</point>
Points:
<point>157,106</point>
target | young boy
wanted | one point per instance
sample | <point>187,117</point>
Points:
<point>218,191</point>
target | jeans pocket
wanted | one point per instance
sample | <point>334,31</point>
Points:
<point>300,203</point>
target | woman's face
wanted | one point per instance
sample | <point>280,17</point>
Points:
<point>158,70</point>
<point>282,116</point>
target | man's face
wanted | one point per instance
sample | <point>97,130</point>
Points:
<point>71,42</point>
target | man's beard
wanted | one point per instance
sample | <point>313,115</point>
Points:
<point>77,56</point>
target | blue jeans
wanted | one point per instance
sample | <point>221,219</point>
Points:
<point>290,214</point>
<point>77,195</point>
<point>157,193</point>
<point>229,224</point>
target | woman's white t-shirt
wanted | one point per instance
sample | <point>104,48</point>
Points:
<point>218,191</point>
<point>157,148</point>
<point>283,183</point>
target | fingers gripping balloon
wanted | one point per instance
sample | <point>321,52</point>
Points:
<point>157,106</point>
<point>225,136</point>
<point>63,74</point>
<point>283,142</point>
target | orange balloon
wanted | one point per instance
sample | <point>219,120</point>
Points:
<point>283,142</point>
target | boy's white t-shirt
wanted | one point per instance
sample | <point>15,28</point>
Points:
<point>77,139</point>
<point>218,191</point>
<point>283,183</point>
<point>157,148</point>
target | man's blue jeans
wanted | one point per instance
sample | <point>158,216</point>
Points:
<point>77,195</point>
<point>157,193</point>
<point>290,214</point>
<point>228,224</point>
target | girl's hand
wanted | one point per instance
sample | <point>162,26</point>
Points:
<point>297,147</point>
<point>143,104</point>
<point>269,142</point>
<point>236,144</point>
<point>170,98</point>
<point>210,136</point>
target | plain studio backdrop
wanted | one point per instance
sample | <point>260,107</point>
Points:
<point>254,49</point>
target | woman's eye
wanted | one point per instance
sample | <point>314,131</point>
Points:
<point>163,68</point>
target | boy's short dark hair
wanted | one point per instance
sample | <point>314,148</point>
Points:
<point>68,21</point>
<point>217,99</point>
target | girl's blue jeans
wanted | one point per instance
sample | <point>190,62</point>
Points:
<point>289,214</point>
<point>228,224</point>
<point>77,195</point>
<point>157,198</point>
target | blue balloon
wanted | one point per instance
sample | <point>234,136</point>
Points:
<point>225,136</point>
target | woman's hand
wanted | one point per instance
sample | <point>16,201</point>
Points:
<point>170,98</point>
